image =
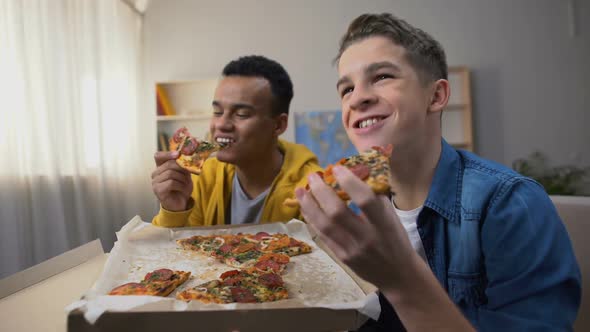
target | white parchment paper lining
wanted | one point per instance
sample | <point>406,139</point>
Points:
<point>313,280</point>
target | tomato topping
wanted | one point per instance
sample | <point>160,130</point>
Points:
<point>343,195</point>
<point>271,280</point>
<point>272,261</point>
<point>244,247</point>
<point>278,244</point>
<point>260,235</point>
<point>180,134</point>
<point>330,179</point>
<point>189,147</point>
<point>279,258</point>
<point>159,275</point>
<point>362,171</point>
<point>228,274</point>
<point>242,295</point>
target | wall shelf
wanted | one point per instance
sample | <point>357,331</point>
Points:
<point>457,128</point>
<point>188,104</point>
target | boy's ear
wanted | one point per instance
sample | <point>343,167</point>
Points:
<point>440,95</point>
<point>281,122</point>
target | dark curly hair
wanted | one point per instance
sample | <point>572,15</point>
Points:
<point>259,66</point>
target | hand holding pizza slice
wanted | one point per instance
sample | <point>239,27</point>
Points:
<point>371,166</point>
<point>193,152</point>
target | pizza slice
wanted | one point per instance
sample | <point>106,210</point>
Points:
<point>241,286</point>
<point>237,250</point>
<point>158,283</point>
<point>247,255</point>
<point>279,243</point>
<point>193,152</point>
<point>371,166</point>
<point>208,244</point>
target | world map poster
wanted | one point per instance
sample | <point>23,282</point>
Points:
<point>322,132</point>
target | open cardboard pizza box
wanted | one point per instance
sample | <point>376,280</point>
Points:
<point>34,299</point>
<point>324,295</point>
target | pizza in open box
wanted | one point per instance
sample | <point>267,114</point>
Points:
<point>160,282</point>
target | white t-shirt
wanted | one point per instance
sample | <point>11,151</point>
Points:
<point>410,221</point>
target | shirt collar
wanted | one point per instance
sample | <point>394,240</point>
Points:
<point>444,195</point>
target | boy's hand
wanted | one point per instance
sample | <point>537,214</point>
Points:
<point>375,244</point>
<point>171,183</point>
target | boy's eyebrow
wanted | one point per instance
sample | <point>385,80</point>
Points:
<point>370,69</point>
<point>242,106</point>
<point>233,107</point>
<point>215,103</point>
<point>378,65</point>
<point>342,80</point>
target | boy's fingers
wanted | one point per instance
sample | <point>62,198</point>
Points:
<point>163,156</point>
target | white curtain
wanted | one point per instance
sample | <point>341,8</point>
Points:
<point>75,149</point>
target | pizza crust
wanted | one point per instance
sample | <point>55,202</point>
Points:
<point>152,287</point>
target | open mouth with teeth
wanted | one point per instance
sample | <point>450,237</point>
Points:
<point>367,122</point>
<point>224,141</point>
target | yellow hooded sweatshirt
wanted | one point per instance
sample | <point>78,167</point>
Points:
<point>212,190</point>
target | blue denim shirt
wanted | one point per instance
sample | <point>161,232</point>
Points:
<point>496,244</point>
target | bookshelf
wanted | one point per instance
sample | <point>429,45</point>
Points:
<point>457,123</point>
<point>183,103</point>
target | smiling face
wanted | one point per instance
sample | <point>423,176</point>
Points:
<point>383,100</point>
<point>242,117</point>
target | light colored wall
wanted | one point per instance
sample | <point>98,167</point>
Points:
<point>530,76</point>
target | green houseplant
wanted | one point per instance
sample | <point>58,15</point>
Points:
<point>560,180</point>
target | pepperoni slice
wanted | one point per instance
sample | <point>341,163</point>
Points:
<point>233,281</point>
<point>242,295</point>
<point>294,243</point>
<point>226,248</point>
<point>362,171</point>
<point>189,147</point>
<point>228,274</point>
<point>261,235</point>
<point>234,240</point>
<point>180,134</point>
<point>159,275</point>
<point>268,265</point>
<point>271,280</point>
